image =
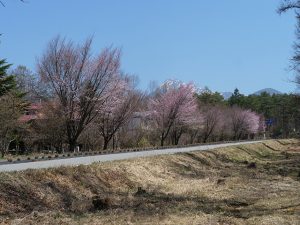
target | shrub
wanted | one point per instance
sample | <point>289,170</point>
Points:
<point>141,191</point>
<point>144,142</point>
<point>101,203</point>
<point>252,165</point>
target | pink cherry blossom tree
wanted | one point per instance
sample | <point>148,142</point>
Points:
<point>172,107</point>
<point>118,109</point>
<point>193,129</point>
<point>79,80</point>
<point>243,122</point>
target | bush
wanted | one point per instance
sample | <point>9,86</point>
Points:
<point>101,203</point>
<point>143,143</point>
<point>141,191</point>
<point>252,165</point>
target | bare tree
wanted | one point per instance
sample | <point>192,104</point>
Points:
<point>285,6</point>
<point>288,5</point>
<point>90,138</point>
<point>2,3</point>
<point>81,81</point>
<point>28,83</point>
<point>211,121</point>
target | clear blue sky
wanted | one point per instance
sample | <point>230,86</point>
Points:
<point>220,44</point>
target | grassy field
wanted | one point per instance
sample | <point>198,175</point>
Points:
<point>246,184</point>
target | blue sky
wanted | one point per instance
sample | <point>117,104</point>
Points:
<point>220,44</point>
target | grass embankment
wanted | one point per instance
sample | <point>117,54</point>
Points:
<point>246,184</point>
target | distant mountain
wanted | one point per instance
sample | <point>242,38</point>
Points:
<point>270,91</point>
<point>226,95</point>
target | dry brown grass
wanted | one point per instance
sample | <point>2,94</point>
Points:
<point>213,187</point>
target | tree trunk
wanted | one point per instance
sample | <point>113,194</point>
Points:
<point>162,141</point>
<point>72,145</point>
<point>177,137</point>
<point>105,144</point>
<point>193,136</point>
<point>107,139</point>
<point>4,147</point>
<point>205,138</point>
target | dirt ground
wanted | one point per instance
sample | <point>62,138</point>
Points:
<point>246,184</point>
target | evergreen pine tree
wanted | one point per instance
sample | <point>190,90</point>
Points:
<point>7,82</point>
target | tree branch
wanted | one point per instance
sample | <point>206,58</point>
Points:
<point>2,3</point>
<point>288,5</point>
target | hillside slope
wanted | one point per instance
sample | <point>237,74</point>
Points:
<point>246,184</point>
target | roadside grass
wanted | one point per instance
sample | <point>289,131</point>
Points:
<point>246,184</point>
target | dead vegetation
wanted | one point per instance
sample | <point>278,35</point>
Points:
<point>246,184</point>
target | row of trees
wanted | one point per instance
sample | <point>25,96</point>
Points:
<point>281,112</point>
<point>82,98</point>
<point>178,110</point>
<point>79,98</point>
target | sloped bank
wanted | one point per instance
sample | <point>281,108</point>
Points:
<point>245,184</point>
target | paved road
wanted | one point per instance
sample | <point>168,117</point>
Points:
<point>86,160</point>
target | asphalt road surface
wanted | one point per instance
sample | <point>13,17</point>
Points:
<point>86,160</point>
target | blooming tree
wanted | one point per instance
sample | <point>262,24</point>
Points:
<point>80,81</point>
<point>193,129</point>
<point>172,107</point>
<point>117,109</point>
<point>243,122</point>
